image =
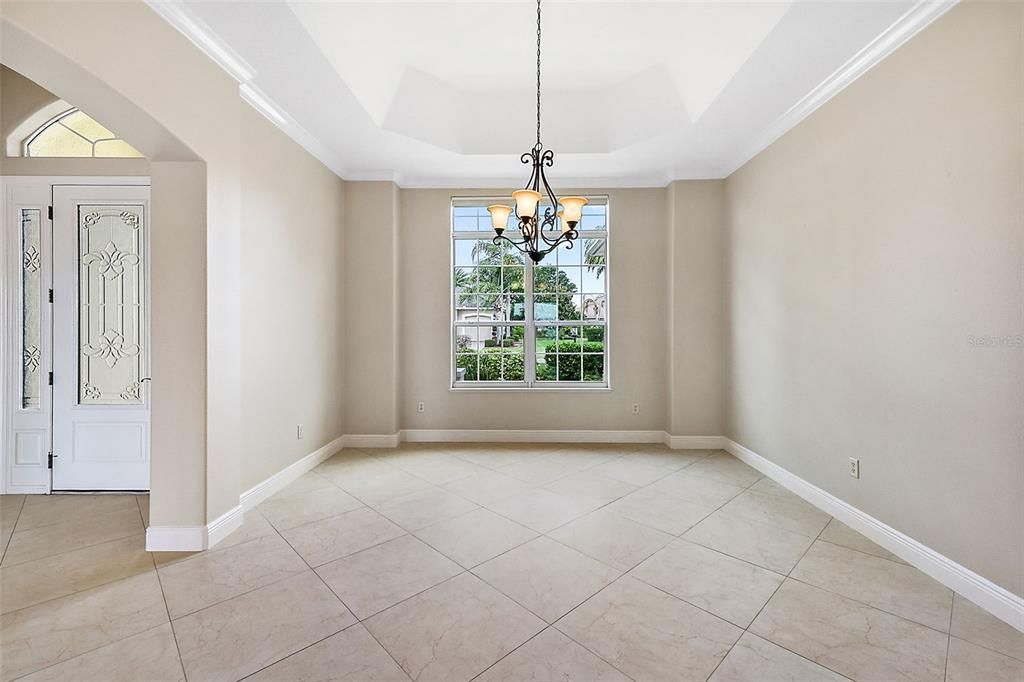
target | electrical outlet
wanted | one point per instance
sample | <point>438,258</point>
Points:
<point>636,408</point>
<point>421,406</point>
<point>854,467</point>
<point>298,432</point>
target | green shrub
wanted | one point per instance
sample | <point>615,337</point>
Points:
<point>569,360</point>
<point>593,333</point>
<point>491,365</point>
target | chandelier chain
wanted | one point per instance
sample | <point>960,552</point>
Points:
<point>538,75</point>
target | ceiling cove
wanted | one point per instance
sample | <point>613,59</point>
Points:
<point>430,94</point>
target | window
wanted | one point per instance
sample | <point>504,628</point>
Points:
<point>516,324</point>
<point>74,134</point>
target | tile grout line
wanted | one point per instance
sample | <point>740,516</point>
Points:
<point>765,605</point>
<point>949,637</point>
<point>83,591</point>
<point>14,528</point>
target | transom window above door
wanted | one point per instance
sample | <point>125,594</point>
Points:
<point>74,133</point>
<point>516,324</point>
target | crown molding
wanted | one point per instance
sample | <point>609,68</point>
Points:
<point>900,31</point>
<point>178,15</point>
<point>175,13</point>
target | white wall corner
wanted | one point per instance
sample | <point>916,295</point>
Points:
<point>371,440</point>
<point>175,538</point>
<point>695,442</point>
<point>996,600</point>
<point>261,491</point>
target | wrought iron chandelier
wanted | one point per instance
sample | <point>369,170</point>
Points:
<point>538,234</point>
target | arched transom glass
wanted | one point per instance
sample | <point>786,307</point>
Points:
<point>76,134</point>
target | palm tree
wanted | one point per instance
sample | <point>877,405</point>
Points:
<point>594,256</point>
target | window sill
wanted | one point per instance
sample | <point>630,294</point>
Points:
<point>599,388</point>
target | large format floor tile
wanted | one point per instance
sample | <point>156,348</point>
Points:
<point>729,588</point>
<point>704,537</point>
<point>454,631</point>
<point>851,638</point>
<point>650,635</point>
<point>763,544</point>
<point>838,533</point>
<point>423,508</point>
<point>70,534</point>
<point>633,472</point>
<point>975,625</point>
<point>293,508</point>
<point>543,510</point>
<point>44,510</point>
<point>658,511</point>
<point>214,576</point>
<point>439,468</point>
<point>897,588</point>
<point>725,467</point>
<point>971,663</point>
<point>546,577</point>
<point>592,485</point>
<point>374,579</point>
<point>612,539</point>
<point>788,512</point>
<point>30,640</point>
<point>58,576</point>
<point>699,490</point>
<point>149,655</point>
<point>352,655</point>
<point>487,487</point>
<point>754,658</point>
<point>341,535</point>
<point>239,636</point>
<point>551,656</point>
<point>475,537</point>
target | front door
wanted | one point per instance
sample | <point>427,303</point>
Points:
<point>100,338</point>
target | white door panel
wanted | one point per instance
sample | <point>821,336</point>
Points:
<point>100,338</point>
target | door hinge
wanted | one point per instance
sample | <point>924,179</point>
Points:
<point>50,379</point>
<point>49,212</point>
<point>51,295</point>
<point>49,461</point>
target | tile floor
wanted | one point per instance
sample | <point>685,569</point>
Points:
<point>513,562</point>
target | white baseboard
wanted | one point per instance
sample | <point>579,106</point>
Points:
<point>695,442</point>
<point>261,491</point>
<point>224,525</point>
<point>175,538</point>
<point>996,600</point>
<point>526,436</point>
<point>371,440</point>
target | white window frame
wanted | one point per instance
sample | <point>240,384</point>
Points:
<point>530,325</point>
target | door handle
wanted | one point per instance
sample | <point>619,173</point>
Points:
<point>144,379</point>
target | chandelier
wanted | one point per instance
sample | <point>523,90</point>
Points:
<point>538,234</point>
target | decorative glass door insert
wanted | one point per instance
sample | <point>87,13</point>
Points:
<point>111,296</point>
<point>31,306</point>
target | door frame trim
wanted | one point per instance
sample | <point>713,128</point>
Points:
<point>10,306</point>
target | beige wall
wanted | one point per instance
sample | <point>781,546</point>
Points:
<point>372,300</point>
<point>638,305</point>
<point>266,365</point>
<point>868,246</point>
<point>292,301</point>
<point>698,347</point>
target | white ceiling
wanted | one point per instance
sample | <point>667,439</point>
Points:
<point>635,93</point>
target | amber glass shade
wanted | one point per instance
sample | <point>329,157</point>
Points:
<point>499,216</point>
